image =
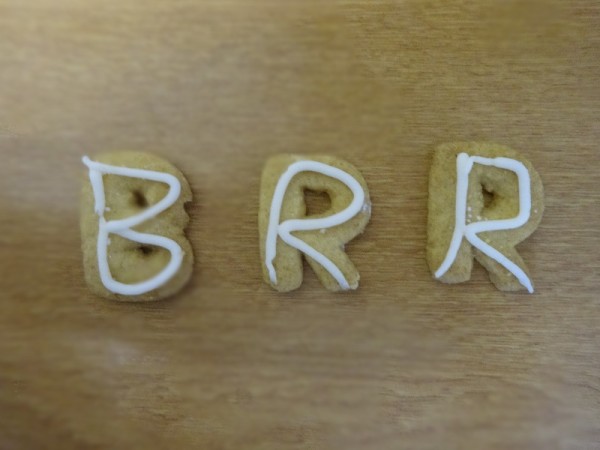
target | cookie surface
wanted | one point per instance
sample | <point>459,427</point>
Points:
<point>152,252</point>
<point>286,232</point>
<point>484,199</point>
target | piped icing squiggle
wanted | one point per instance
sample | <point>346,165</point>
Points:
<point>285,229</point>
<point>464,164</point>
<point>123,227</point>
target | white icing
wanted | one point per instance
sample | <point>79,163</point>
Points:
<point>464,164</point>
<point>123,227</point>
<point>285,229</point>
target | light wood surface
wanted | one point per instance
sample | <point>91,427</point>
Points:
<point>217,87</point>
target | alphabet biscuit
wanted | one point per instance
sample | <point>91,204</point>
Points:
<point>132,227</point>
<point>484,199</point>
<point>286,232</point>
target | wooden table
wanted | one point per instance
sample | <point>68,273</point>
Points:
<point>217,87</point>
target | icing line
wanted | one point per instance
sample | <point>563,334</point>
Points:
<point>122,227</point>
<point>464,164</point>
<point>285,229</point>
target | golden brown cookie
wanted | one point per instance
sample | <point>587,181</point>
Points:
<point>286,232</point>
<point>483,200</point>
<point>132,227</point>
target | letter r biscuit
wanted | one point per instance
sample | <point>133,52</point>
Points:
<point>484,199</point>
